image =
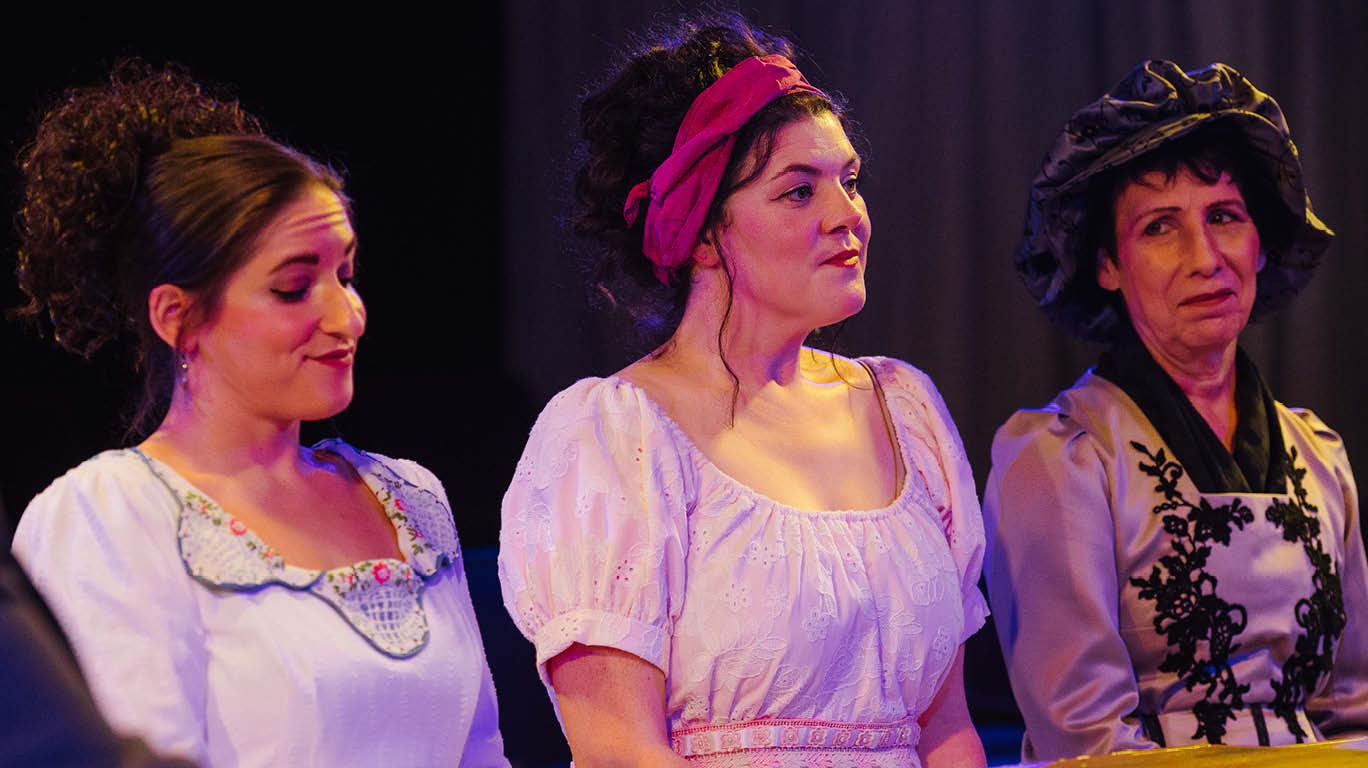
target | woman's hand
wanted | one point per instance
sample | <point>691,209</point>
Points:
<point>948,737</point>
<point>613,707</point>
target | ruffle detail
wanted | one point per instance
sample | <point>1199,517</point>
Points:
<point>380,599</point>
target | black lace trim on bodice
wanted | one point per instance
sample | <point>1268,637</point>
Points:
<point>1321,615</point>
<point>1190,615</point>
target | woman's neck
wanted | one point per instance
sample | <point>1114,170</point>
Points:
<point>759,351</point>
<point>1208,380</point>
<point>204,436</point>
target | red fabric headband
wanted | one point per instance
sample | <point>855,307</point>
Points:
<point>681,190</point>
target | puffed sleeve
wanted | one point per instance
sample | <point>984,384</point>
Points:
<point>1340,710</point>
<point>592,545</point>
<point>938,455</point>
<point>1053,584</point>
<point>100,546</point>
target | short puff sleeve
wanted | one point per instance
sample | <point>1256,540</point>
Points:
<point>938,459</point>
<point>594,532</point>
<point>100,546</point>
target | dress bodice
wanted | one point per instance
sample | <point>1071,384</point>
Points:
<point>1175,615</point>
<point>200,639</point>
<point>774,626</point>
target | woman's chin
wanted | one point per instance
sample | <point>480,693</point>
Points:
<point>847,306</point>
<point>326,408</point>
<point>1214,334</point>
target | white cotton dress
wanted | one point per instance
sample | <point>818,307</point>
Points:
<point>787,636</point>
<point>197,637</point>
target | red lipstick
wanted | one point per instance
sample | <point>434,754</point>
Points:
<point>338,358</point>
<point>847,258</point>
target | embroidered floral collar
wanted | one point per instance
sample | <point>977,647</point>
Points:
<point>380,599</point>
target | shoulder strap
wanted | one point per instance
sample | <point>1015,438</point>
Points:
<point>900,466</point>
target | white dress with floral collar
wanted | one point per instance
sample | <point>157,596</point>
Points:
<point>197,637</point>
<point>787,637</point>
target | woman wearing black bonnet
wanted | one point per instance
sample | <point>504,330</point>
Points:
<point>1176,556</point>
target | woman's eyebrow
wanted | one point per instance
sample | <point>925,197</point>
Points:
<point>1235,200</point>
<point>304,258</point>
<point>310,258</point>
<point>810,170</point>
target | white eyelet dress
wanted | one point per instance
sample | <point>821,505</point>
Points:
<point>787,637</point>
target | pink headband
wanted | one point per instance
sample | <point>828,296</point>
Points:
<point>681,190</point>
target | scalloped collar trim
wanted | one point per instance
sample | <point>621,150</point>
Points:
<point>380,599</point>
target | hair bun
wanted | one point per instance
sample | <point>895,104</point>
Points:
<point>81,175</point>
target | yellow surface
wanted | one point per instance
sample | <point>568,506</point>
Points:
<point>1348,752</point>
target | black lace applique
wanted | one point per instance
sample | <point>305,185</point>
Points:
<point>1321,615</point>
<point>1187,610</point>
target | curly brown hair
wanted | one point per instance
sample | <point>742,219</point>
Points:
<point>627,129</point>
<point>144,180</point>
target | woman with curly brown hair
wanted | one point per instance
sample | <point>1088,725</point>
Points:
<point>232,596</point>
<point>739,550</point>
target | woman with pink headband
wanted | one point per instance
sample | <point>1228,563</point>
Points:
<point>740,550</point>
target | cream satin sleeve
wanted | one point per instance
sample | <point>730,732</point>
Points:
<point>1052,583</point>
<point>100,546</point>
<point>1340,710</point>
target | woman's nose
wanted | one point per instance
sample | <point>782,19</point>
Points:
<point>1203,249</point>
<point>846,211</point>
<point>344,314</point>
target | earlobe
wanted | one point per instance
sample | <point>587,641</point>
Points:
<point>1108,277</point>
<point>1263,259</point>
<point>705,253</point>
<point>167,307</point>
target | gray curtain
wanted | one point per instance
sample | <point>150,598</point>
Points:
<point>959,101</point>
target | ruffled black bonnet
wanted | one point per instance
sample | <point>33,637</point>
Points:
<point>1155,104</point>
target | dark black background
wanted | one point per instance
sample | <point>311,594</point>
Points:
<point>414,122</point>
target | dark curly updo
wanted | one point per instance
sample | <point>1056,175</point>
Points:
<point>143,181</point>
<point>627,129</point>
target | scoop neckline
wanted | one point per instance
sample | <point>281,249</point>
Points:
<point>899,500</point>
<point>158,467</point>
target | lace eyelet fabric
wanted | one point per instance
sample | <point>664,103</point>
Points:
<point>834,628</point>
<point>380,599</point>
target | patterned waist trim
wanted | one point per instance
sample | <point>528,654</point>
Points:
<point>776,733</point>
